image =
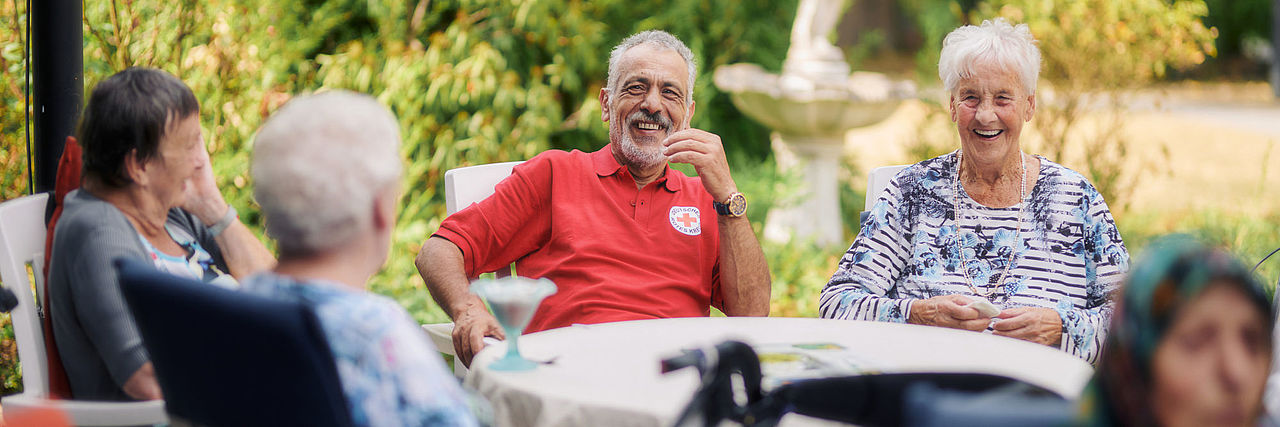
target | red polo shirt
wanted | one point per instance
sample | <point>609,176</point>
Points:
<point>615,252</point>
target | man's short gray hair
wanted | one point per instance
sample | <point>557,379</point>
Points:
<point>994,43</point>
<point>317,165</point>
<point>660,38</point>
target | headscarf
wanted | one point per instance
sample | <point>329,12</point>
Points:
<point>1173,271</point>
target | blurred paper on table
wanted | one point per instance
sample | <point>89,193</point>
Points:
<point>788,362</point>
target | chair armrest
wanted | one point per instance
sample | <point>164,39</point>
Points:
<point>91,413</point>
<point>442,336</point>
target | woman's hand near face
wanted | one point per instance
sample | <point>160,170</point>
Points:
<point>243,252</point>
<point>203,198</point>
<point>1035,324</point>
<point>951,311</point>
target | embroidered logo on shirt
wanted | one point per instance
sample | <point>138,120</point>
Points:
<point>685,219</point>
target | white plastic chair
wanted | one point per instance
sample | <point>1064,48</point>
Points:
<point>462,187</point>
<point>466,185</point>
<point>22,234</point>
<point>442,336</point>
<point>876,183</point>
<point>878,180</point>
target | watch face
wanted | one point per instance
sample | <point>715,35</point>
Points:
<point>737,204</point>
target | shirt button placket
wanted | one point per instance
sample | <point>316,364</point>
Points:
<point>642,206</point>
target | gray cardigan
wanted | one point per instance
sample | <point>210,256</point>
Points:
<point>97,340</point>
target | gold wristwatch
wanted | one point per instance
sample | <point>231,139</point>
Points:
<point>735,206</point>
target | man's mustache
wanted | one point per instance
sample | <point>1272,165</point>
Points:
<point>661,120</point>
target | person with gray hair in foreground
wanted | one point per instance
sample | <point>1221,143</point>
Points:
<point>987,238</point>
<point>623,236</point>
<point>326,171</point>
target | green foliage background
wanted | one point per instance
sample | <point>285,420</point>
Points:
<point>1237,20</point>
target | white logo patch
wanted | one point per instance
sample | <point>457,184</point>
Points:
<point>685,219</point>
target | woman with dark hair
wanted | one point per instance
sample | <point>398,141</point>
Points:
<point>1190,343</point>
<point>147,192</point>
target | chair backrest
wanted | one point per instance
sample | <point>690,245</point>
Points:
<point>462,187</point>
<point>877,181</point>
<point>22,237</point>
<point>224,357</point>
<point>466,185</point>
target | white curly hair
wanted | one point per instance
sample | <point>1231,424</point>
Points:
<point>317,165</point>
<point>995,42</point>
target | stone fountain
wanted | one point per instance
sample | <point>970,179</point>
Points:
<point>810,107</point>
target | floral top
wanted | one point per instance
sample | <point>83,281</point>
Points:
<point>391,374</point>
<point>1068,256</point>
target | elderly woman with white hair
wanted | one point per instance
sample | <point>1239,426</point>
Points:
<point>326,172</point>
<point>987,238</point>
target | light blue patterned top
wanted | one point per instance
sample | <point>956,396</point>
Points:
<point>391,374</point>
<point>1069,256</point>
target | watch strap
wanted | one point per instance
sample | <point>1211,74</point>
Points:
<point>721,208</point>
<point>222,224</point>
<point>726,208</point>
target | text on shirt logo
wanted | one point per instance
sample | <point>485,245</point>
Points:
<point>686,219</point>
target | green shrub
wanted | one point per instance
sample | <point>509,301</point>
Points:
<point>1249,237</point>
<point>1237,21</point>
<point>14,85</point>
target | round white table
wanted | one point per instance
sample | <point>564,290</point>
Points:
<point>609,374</point>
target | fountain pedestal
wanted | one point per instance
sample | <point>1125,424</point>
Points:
<point>817,214</point>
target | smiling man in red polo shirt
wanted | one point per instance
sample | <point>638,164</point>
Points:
<point>623,236</point>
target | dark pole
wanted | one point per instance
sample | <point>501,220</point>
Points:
<point>57,74</point>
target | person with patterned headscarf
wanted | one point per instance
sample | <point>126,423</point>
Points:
<point>1190,343</point>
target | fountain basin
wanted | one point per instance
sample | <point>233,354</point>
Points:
<point>796,106</point>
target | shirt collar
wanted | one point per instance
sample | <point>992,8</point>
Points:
<point>606,165</point>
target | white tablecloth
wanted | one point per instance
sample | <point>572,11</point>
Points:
<point>609,374</point>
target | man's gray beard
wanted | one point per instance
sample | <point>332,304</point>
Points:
<point>635,156</point>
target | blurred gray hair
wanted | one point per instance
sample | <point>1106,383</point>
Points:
<point>660,38</point>
<point>994,43</point>
<point>317,165</point>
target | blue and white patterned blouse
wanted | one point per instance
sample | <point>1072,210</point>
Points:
<point>391,374</point>
<point>1069,256</point>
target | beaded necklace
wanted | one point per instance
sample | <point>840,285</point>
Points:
<point>1022,202</point>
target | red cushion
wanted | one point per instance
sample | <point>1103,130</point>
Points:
<point>68,179</point>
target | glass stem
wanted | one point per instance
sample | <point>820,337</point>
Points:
<point>513,348</point>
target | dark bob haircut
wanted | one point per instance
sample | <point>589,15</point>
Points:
<point>131,110</point>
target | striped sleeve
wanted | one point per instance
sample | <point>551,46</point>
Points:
<point>1106,262</point>
<point>863,285</point>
